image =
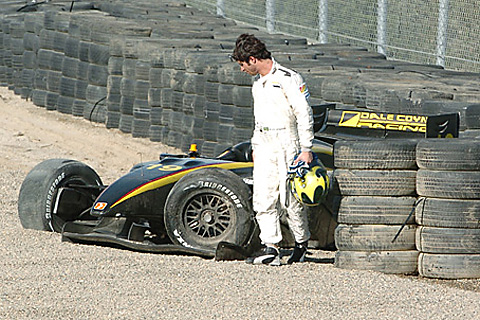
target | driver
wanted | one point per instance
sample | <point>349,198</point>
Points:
<point>283,130</point>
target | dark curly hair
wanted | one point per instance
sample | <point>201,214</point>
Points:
<point>246,46</point>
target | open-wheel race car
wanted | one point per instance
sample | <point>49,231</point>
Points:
<point>180,203</point>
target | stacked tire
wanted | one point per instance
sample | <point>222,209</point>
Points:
<point>17,31</point>
<point>122,78</point>
<point>31,42</point>
<point>448,214</point>
<point>8,54</point>
<point>158,127</point>
<point>211,111</point>
<point>3,67</point>
<point>236,104</point>
<point>50,59</point>
<point>173,78</point>
<point>141,108</point>
<point>472,121</point>
<point>193,99</point>
<point>376,183</point>
<point>114,81</point>
<point>127,89</point>
<point>97,72</point>
<point>66,98</point>
<point>39,90</point>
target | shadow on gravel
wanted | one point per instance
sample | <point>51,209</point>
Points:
<point>312,256</point>
<point>320,260</point>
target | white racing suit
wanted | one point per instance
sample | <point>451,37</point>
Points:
<point>283,127</point>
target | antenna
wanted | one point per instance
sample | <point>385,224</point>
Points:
<point>141,161</point>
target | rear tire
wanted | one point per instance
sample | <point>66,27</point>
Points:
<point>208,206</point>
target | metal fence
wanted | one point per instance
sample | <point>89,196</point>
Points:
<point>440,32</point>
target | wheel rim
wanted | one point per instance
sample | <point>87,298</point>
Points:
<point>208,215</point>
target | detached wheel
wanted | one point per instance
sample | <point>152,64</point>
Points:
<point>208,206</point>
<point>56,191</point>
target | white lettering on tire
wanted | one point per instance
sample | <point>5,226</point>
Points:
<point>224,189</point>
<point>180,239</point>
<point>51,192</point>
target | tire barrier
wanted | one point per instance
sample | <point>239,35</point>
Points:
<point>448,213</point>
<point>117,61</point>
<point>442,223</point>
<point>84,62</point>
<point>376,183</point>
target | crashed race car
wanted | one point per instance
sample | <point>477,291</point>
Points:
<point>179,203</point>
<point>186,203</point>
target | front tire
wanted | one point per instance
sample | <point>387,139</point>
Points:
<point>208,206</point>
<point>38,205</point>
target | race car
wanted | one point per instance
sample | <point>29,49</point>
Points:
<point>180,203</point>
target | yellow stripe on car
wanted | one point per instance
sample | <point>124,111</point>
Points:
<point>165,180</point>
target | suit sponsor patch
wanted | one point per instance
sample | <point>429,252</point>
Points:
<point>304,90</point>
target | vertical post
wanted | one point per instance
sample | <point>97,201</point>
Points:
<point>322,21</point>
<point>221,8</point>
<point>442,32</point>
<point>382,26</point>
<point>270,15</point>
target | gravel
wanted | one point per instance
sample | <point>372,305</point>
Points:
<point>45,278</point>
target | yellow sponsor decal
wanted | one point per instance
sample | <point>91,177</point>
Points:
<point>384,121</point>
<point>163,167</point>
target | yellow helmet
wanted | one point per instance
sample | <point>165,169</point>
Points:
<point>312,186</point>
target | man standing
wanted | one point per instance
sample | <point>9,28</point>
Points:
<point>283,130</point>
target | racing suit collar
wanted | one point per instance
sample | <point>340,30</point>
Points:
<point>272,70</point>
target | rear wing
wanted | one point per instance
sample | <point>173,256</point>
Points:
<point>362,123</point>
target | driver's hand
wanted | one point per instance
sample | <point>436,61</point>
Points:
<point>305,156</point>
